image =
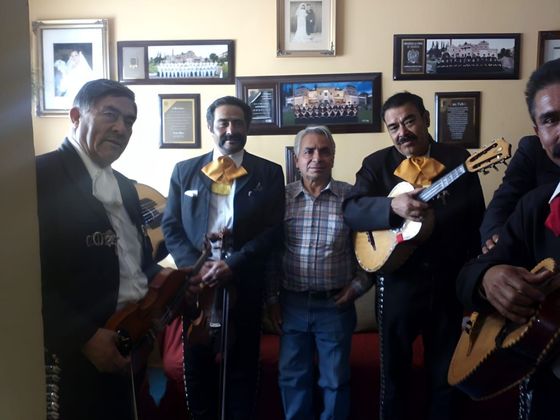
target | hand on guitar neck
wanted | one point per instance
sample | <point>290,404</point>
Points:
<point>514,291</point>
<point>408,206</point>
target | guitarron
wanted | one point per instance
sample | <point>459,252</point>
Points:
<point>386,250</point>
<point>494,354</point>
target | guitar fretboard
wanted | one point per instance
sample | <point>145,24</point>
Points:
<point>441,184</point>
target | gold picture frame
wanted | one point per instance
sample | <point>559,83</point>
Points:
<point>306,29</point>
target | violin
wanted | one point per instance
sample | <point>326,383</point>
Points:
<point>138,324</point>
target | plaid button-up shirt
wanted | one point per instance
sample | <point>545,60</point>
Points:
<point>318,252</point>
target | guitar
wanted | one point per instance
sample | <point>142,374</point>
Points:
<point>386,250</point>
<point>494,355</point>
<point>152,204</point>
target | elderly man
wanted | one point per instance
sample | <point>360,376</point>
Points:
<point>95,256</point>
<point>311,299</point>
<point>417,298</point>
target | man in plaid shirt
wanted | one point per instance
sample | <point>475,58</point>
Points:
<point>312,288</point>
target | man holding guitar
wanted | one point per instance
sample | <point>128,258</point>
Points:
<point>499,280</point>
<point>417,297</point>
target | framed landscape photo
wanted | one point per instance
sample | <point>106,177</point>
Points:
<point>180,121</point>
<point>69,54</point>
<point>549,46</point>
<point>206,62</point>
<point>458,118</point>
<point>456,56</point>
<point>306,28</point>
<point>346,103</point>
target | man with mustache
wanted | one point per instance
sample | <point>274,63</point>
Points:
<point>418,298</point>
<point>238,197</point>
<point>499,280</point>
<point>95,255</point>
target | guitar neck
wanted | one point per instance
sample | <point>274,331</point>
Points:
<point>441,184</point>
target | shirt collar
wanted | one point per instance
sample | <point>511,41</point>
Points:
<point>237,157</point>
<point>333,186</point>
<point>555,193</point>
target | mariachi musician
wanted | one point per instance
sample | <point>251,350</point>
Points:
<point>226,189</point>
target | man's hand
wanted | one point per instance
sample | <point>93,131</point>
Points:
<point>193,287</point>
<point>346,296</point>
<point>513,291</point>
<point>407,206</point>
<point>215,273</point>
<point>490,243</point>
<point>275,315</point>
<point>101,350</point>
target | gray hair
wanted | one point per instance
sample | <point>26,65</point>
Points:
<point>317,129</point>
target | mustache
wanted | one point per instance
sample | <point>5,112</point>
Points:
<point>231,137</point>
<point>404,139</point>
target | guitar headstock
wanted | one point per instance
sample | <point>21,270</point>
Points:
<point>496,152</point>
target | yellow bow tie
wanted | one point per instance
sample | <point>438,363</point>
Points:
<point>223,172</point>
<point>419,171</point>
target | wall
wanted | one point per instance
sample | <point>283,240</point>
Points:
<point>364,44</point>
<point>22,390</point>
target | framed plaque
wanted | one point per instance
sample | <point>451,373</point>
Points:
<point>458,118</point>
<point>549,46</point>
<point>180,121</point>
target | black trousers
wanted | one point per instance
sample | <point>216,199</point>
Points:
<point>202,369</point>
<point>409,306</point>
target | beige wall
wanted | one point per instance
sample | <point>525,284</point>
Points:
<point>365,32</point>
<point>22,392</point>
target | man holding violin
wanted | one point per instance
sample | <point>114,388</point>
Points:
<point>238,197</point>
<point>95,256</point>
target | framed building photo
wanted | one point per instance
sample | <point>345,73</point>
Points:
<point>458,56</point>
<point>180,121</point>
<point>346,103</point>
<point>176,62</point>
<point>549,46</point>
<point>306,28</point>
<point>458,118</point>
<point>69,54</point>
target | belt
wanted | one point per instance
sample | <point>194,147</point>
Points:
<point>318,294</point>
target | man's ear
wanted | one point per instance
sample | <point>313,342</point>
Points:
<point>75,116</point>
<point>427,118</point>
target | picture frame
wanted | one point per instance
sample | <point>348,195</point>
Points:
<point>69,54</point>
<point>306,28</point>
<point>345,103</point>
<point>548,47</point>
<point>180,121</point>
<point>195,62</point>
<point>292,173</point>
<point>458,118</point>
<point>456,56</point>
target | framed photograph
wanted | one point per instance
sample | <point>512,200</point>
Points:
<point>346,103</point>
<point>549,46</point>
<point>180,121</point>
<point>458,56</point>
<point>69,54</point>
<point>306,28</point>
<point>176,62</point>
<point>292,173</point>
<point>458,118</point>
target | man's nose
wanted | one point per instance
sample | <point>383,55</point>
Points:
<point>120,125</point>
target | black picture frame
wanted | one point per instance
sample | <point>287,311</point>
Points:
<point>345,103</point>
<point>292,173</point>
<point>180,121</point>
<point>208,62</point>
<point>458,118</point>
<point>548,47</point>
<point>456,56</point>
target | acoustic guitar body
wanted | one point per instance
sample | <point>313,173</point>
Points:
<point>495,355</point>
<point>152,204</point>
<point>386,250</point>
